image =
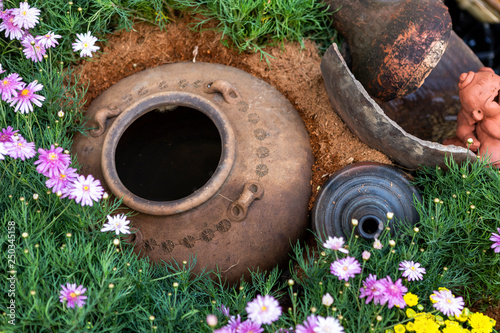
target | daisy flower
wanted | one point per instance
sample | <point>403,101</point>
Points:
<point>335,244</point>
<point>369,289</point>
<point>3,151</point>
<point>390,292</point>
<point>27,96</point>
<point>25,17</point>
<point>249,326</point>
<point>495,238</point>
<point>62,181</point>
<point>308,325</point>
<point>234,322</point>
<point>7,134</point>
<point>52,161</point>
<point>73,295</point>
<point>345,268</point>
<point>20,148</point>
<point>447,303</point>
<point>412,270</point>
<point>328,325</point>
<point>33,49</point>
<point>377,245</point>
<point>224,329</point>
<point>224,310</point>
<point>118,224</point>
<point>10,85</point>
<point>86,190</point>
<point>12,31</point>
<point>48,40</point>
<point>263,310</point>
<point>85,44</point>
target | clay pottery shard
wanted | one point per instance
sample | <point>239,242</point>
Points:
<point>394,44</point>
<point>216,162</point>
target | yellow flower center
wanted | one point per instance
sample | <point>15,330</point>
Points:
<point>20,144</point>
<point>5,82</point>
<point>73,295</point>
<point>61,176</point>
<point>52,156</point>
<point>263,308</point>
<point>412,268</point>
<point>85,45</point>
<point>85,188</point>
<point>449,301</point>
<point>25,92</point>
<point>47,36</point>
<point>24,13</point>
<point>345,268</point>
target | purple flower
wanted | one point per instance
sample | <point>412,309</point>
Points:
<point>7,134</point>
<point>73,295</point>
<point>345,268</point>
<point>368,290</point>
<point>10,85</point>
<point>20,148</point>
<point>86,190</point>
<point>62,181</point>
<point>85,44</point>
<point>390,292</point>
<point>25,17</point>
<point>27,96</point>
<point>249,326</point>
<point>52,161</point>
<point>412,270</point>
<point>495,238</point>
<point>224,329</point>
<point>263,310</point>
<point>33,49</point>
<point>48,40</point>
<point>308,325</point>
<point>12,31</point>
<point>224,310</point>
<point>444,301</point>
<point>335,243</point>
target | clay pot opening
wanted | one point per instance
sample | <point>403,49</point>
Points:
<point>168,153</point>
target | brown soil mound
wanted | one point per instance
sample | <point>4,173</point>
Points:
<point>293,71</point>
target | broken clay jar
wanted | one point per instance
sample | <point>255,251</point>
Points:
<point>216,162</point>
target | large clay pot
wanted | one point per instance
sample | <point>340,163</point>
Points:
<point>216,162</point>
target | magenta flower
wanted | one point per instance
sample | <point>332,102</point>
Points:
<point>12,31</point>
<point>7,134</point>
<point>85,44</point>
<point>234,322</point>
<point>10,85</point>
<point>33,50</point>
<point>224,310</point>
<point>412,270</point>
<point>224,329</point>
<point>25,17</point>
<point>86,190</point>
<point>73,295</point>
<point>447,303</point>
<point>27,96</point>
<point>345,268</point>
<point>263,310</point>
<point>369,289</point>
<point>390,292</point>
<point>495,238</point>
<point>249,326</point>
<point>52,161</point>
<point>62,182</point>
<point>335,243</point>
<point>48,40</point>
<point>308,325</point>
<point>3,151</point>
<point>20,148</point>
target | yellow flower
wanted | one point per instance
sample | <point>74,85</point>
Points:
<point>410,313</point>
<point>481,323</point>
<point>410,327</point>
<point>452,327</point>
<point>425,323</point>
<point>410,299</point>
<point>399,328</point>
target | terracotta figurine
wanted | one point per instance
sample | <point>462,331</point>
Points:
<point>478,122</point>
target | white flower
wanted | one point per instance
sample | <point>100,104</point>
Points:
<point>447,303</point>
<point>335,243</point>
<point>263,310</point>
<point>25,17</point>
<point>327,299</point>
<point>3,151</point>
<point>328,325</point>
<point>412,270</point>
<point>377,244</point>
<point>117,223</point>
<point>366,255</point>
<point>85,44</point>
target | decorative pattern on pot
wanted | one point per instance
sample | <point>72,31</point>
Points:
<point>216,162</point>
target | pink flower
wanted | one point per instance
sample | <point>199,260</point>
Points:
<point>25,17</point>
<point>249,326</point>
<point>447,303</point>
<point>52,161</point>
<point>234,322</point>
<point>377,245</point>
<point>33,49</point>
<point>85,44</point>
<point>366,255</point>
<point>345,268</point>
<point>7,134</point>
<point>73,295</point>
<point>412,270</point>
<point>62,182</point>
<point>263,310</point>
<point>48,40</point>
<point>86,190</point>
<point>224,329</point>
<point>12,31</point>
<point>495,238</point>
<point>224,310</point>
<point>369,289</point>
<point>20,148</point>
<point>27,96</point>
<point>308,325</point>
<point>10,85</point>
<point>390,292</point>
<point>335,244</point>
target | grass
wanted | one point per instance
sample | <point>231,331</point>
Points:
<point>51,241</point>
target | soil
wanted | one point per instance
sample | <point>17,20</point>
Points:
<point>293,70</point>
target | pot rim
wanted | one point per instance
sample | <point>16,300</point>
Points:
<point>140,108</point>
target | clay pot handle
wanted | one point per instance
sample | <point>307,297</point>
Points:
<point>231,96</point>
<point>101,117</point>
<point>238,210</point>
